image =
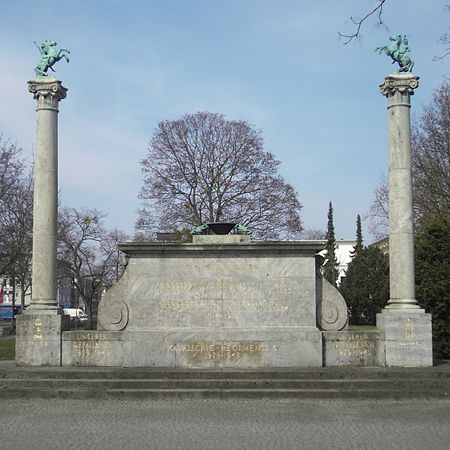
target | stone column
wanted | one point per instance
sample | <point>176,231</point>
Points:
<point>398,89</point>
<point>48,93</point>
<point>407,328</point>
<point>39,328</point>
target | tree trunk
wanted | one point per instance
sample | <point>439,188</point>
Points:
<point>13,317</point>
<point>22,294</point>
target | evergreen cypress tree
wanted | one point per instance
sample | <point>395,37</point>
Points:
<point>330,267</point>
<point>357,249</point>
<point>366,285</point>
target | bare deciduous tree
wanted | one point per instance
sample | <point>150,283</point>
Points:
<point>88,254</point>
<point>16,233</point>
<point>378,214</point>
<point>16,218</point>
<point>431,156</point>
<point>445,41</point>
<point>16,214</point>
<point>203,168</point>
<point>314,234</point>
<point>11,166</point>
<point>430,144</point>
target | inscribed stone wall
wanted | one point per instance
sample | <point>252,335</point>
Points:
<point>232,292</point>
<point>225,305</point>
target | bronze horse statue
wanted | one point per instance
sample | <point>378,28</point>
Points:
<point>397,53</point>
<point>49,57</point>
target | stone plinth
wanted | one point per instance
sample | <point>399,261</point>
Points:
<point>38,339</point>
<point>408,338</point>
<point>219,302</point>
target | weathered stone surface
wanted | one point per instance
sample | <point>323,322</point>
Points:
<point>221,239</point>
<point>353,348</point>
<point>398,89</point>
<point>47,92</point>
<point>196,348</point>
<point>408,338</point>
<point>407,328</point>
<point>38,339</point>
<point>217,304</point>
<point>92,348</point>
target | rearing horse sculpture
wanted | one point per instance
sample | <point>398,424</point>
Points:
<point>397,53</point>
<point>49,56</point>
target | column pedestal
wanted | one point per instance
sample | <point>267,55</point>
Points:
<point>407,337</point>
<point>39,339</point>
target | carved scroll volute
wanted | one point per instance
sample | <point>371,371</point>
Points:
<point>332,314</point>
<point>112,316</point>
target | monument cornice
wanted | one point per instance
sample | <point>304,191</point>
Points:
<point>157,249</point>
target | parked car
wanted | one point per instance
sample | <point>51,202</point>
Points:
<point>76,315</point>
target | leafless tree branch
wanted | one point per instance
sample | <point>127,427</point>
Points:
<point>358,23</point>
<point>445,41</point>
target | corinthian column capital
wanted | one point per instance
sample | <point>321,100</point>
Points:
<point>48,91</point>
<point>405,83</point>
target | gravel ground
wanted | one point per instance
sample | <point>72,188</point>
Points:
<point>224,424</point>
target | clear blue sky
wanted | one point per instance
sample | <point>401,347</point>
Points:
<point>277,64</point>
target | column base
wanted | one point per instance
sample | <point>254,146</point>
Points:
<point>43,309</point>
<point>404,303</point>
<point>407,337</point>
<point>38,338</point>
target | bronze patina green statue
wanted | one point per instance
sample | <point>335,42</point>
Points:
<point>398,52</point>
<point>241,229</point>
<point>201,229</point>
<point>49,56</point>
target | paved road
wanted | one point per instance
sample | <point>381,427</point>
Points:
<point>224,424</point>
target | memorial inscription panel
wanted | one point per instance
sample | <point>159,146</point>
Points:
<point>354,344</point>
<point>202,351</point>
<point>353,348</point>
<point>91,348</point>
<point>188,299</point>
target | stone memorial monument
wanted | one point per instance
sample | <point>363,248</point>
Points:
<point>39,328</point>
<point>220,301</point>
<point>406,327</point>
<point>224,301</point>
